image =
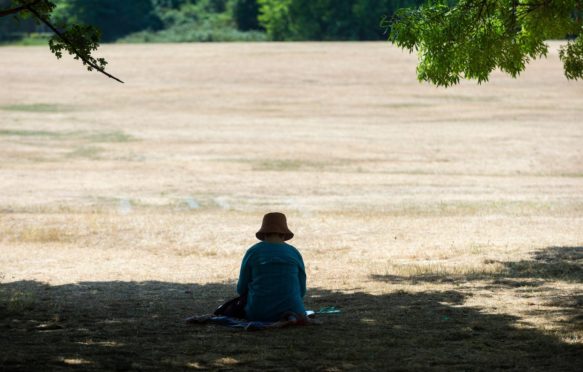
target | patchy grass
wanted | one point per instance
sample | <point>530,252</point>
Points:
<point>98,137</point>
<point>281,165</point>
<point>483,208</point>
<point>287,165</point>
<point>41,234</point>
<point>554,263</point>
<point>407,105</point>
<point>460,98</point>
<point>30,133</point>
<point>36,108</point>
<point>110,137</point>
<point>87,152</point>
<point>16,302</point>
<point>72,144</point>
<point>437,270</point>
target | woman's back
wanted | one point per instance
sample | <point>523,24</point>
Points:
<point>274,279</point>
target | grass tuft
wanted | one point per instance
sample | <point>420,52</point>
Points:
<point>17,302</point>
<point>444,271</point>
<point>111,137</point>
<point>87,152</point>
<point>43,235</point>
<point>283,165</point>
<point>35,107</point>
<point>98,137</point>
<point>28,133</point>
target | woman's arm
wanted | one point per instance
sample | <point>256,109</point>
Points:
<point>302,277</point>
<point>244,275</point>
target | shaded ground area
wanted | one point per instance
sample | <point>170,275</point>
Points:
<point>138,326</point>
<point>539,278</point>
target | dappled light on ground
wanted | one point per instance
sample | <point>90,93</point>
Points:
<point>136,325</point>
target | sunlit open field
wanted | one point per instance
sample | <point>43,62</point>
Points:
<point>446,224</point>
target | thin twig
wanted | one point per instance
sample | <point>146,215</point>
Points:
<point>66,40</point>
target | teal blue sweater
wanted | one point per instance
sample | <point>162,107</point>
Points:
<point>274,278</point>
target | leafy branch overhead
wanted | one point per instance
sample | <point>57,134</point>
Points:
<point>472,38</point>
<point>80,41</point>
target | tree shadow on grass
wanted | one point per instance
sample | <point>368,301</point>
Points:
<point>552,263</point>
<point>139,326</point>
<point>558,263</point>
<point>536,276</point>
<point>549,264</point>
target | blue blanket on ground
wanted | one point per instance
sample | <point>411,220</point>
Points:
<point>239,323</point>
<point>254,325</point>
<point>231,322</point>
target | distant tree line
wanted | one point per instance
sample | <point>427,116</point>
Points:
<point>454,39</point>
<point>10,28</point>
<point>220,20</point>
<point>328,19</point>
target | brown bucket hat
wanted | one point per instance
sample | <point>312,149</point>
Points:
<point>274,223</point>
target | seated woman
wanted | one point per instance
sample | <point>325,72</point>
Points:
<point>273,276</point>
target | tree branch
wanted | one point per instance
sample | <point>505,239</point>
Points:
<point>66,40</point>
<point>18,9</point>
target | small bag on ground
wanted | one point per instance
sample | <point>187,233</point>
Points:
<point>234,308</point>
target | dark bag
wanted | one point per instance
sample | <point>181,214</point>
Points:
<point>234,308</point>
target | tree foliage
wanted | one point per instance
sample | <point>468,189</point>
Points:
<point>78,40</point>
<point>246,13</point>
<point>327,19</point>
<point>275,17</point>
<point>472,38</point>
<point>202,20</point>
<point>191,20</point>
<point>463,39</point>
<point>114,18</point>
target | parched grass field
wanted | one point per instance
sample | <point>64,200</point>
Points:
<point>446,224</point>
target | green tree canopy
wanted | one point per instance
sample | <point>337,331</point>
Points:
<point>327,19</point>
<point>246,13</point>
<point>463,39</point>
<point>114,18</point>
<point>472,38</point>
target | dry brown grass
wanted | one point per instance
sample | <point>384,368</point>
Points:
<point>447,224</point>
